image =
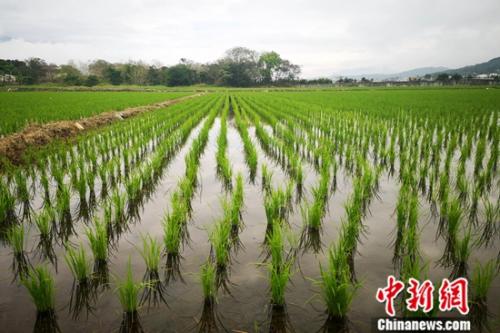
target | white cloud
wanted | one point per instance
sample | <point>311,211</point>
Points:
<point>324,36</point>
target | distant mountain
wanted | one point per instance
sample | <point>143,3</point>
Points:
<point>395,76</point>
<point>492,66</point>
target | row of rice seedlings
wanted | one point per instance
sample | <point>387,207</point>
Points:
<point>402,146</point>
<point>282,246</point>
<point>279,151</point>
<point>41,287</point>
<point>151,253</point>
<point>174,225</point>
<point>209,320</point>
<point>16,237</point>
<point>220,239</point>
<point>129,291</point>
<point>81,178</point>
<point>83,292</point>
<point>224,235</point>
<point>337,289</point>
<point>250,152</point>
<point>267,177</point>
<point>45,222</point>
<point>406,244</point>
<point>278,203</point>
<point>313,213</point>
<point>224,169</point>
<point>7,206</point>
<point>208,282</point>
<point>337,282</point>
<point>458,248</point>
<point>99,242</point>
<point>174,221</point>
<point>234,208</point>
<point>490,228</point>
<point>23,194</point>
<point>481,280</point>
<point>287,147</point>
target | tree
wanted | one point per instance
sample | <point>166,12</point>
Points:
<point>153,76</point>
<point>456,77</point>
<point>70,75</point>
<point>269,63</point>
<point>443,77</point>
<point>239,67</point>
<point>114,76</point>
<point>99,68</point>
<point>36,70</point>
<point>180,75</point>
<point>91,80</point>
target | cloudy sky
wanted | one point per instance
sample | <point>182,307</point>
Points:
<point>323,36</point>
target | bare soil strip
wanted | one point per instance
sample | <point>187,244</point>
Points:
<point>13,146</point>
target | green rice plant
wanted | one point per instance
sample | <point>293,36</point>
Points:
<point>63,203</point>
<point>151,253</point>
<point>282,246</point>
<point>481,280</point>
<point>173,223</point>
<point>81,186</point>
<point>250,152</point>
<point>44,221</point>
<point>490,229</point>
<point>133,187</point>
<point>337,290</point>
<point>312,215</point>
<point>351,227</point>
<point>7,204</point>
<point>98,240</point>
<point>22,190</point>
<point>480,153</point>
<point>463,249</point>
<point>411,236</point>
<point>119,202</point>
<point>267,176</point>
<point>279,277</point>
<point>208,278</point>
<point>237,200</point>
<point>278,203</point>
<point>78,263</point>
<point>44,181</point>
<point>41,287</point>
<point>128,291</point>
<point>221,243</point>
<point>463,188</point>
<point>453,218</point>
<point>401,222</point>
<point>275,244</point>
<point>16,239</point>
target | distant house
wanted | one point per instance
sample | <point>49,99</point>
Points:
<point>7,78</point>
<point>482,76</point>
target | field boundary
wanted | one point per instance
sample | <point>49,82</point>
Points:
<point>13,146</point>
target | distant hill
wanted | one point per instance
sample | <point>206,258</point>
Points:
<point>395,76</point>
<point>492,66</point>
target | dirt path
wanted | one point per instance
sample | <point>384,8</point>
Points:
<point>13,146</point>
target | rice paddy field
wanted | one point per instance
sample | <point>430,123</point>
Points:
<point>251,211</point>
<point>20,108</point>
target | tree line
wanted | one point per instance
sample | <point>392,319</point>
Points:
<point>239,67</point>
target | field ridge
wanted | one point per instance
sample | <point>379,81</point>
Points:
<point>13,146</point>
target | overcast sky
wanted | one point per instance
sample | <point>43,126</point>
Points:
<point>323,36</point>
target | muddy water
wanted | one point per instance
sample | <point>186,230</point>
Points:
<point>245,306</point>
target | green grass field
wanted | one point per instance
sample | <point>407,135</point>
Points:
<point>20,108</point>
